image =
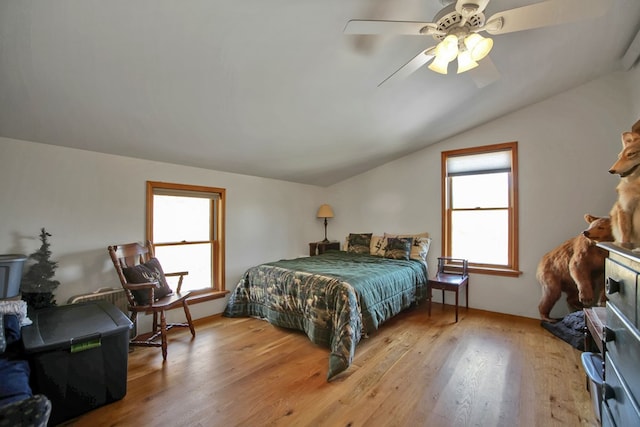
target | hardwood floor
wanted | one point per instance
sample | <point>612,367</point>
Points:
<point>486,370</point>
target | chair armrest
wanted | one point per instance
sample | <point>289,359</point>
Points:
<point>140,286</point>
<point>181,274</point>
<point>151,286</point>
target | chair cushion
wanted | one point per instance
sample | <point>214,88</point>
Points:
<point>150,271</point>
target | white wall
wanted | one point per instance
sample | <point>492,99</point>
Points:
<point>88,201</point>
<point>566,145</point>
<point>633,88</point>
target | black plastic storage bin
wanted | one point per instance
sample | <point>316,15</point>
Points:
<point>78,355</point>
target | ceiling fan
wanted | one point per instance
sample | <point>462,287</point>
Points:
<point>457,30</point>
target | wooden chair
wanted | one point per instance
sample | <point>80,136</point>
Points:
<point>452,275</point>
<point>143,297</point>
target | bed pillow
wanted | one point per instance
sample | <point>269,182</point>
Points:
<point>415,235</point>
<point>377,246</point>
<point>150,271</point>
<point>359,243</point>
<point>420,245</point>
<point>420,248</point>
<point>398,248</point>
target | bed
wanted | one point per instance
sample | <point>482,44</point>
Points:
<point>336,298</point>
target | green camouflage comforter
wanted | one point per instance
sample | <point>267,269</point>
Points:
<point>335,298</point>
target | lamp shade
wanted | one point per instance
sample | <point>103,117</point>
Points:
<point>465,62</point>
<point>325,211</point>
<point>446,51</point>
<point>439,66</point>
<point>478,46</point>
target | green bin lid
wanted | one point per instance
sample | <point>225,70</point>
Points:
<point>61,327</point>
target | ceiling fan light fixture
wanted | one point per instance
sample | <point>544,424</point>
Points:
<point>465,62</point>
<point>439,65</point>
<point>446,51</point>
<point>478,46</point>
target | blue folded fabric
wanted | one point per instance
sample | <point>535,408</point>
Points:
<point>14,381</point>
<point>11,328</point>
<point>14,373</point>
<point>3,340</point>
<point>569,329</point>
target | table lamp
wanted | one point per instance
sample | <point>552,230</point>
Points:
<point>325,211</point>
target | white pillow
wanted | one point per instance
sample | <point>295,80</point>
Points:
<point>378,245</point>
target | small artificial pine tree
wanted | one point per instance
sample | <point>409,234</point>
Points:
<point>38,284</point>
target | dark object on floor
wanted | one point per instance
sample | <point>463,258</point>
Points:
<point>18,405</point>
<point>78,355</point>
<point>32,411</point>
<point>569,329</point>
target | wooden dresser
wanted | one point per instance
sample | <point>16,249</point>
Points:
<point>621,389</point>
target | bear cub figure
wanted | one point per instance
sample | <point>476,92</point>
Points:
<point>576,268</point>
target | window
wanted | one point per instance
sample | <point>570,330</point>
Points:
<point>186,225</point>
<point>480,207</point>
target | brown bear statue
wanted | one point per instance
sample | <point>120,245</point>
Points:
<point>576,268</point>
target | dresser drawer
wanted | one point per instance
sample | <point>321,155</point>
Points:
<point>607,421</point>
<point>623,348</point>
<point>620,286</point>
<point>621,406</point>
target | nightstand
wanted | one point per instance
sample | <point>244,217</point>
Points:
<point>317,248</point>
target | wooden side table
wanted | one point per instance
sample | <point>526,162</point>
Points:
<point>452,275</point>
<point>317,248</point>
<point>595,320</point>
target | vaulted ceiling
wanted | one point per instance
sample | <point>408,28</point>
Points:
<point>269,88</point>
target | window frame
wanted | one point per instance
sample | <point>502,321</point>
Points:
<point>511,269</point>
<point>218,288</point>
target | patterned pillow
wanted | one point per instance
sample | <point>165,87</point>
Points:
<point>398,248</point>
<point>420,248</point>
<point>359,243</point>
<point>378,244</point>
<point>151,271</point>
<point>420,245</point>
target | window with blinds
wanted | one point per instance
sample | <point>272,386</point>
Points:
<point>479,207</point>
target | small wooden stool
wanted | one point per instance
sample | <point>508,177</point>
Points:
<point>452,275</point>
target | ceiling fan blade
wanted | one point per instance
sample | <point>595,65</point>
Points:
<point>485,73</point>
<point>418,61</point>
<point>546,13</point>
<point>364,26</point>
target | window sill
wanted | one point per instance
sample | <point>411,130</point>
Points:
<point>204,295</point>
<point>495,271</point>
